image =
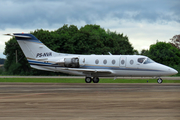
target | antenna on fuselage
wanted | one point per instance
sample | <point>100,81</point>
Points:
<point>109,53</point>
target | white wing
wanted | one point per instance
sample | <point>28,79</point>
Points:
<point>91,70</point>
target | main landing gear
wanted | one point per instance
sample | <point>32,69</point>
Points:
<point>89,79</point>
<point>159,80</point>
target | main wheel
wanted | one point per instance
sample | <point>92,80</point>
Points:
<point>95,79</point>
<point>88,79</point>
<point>159,80</point>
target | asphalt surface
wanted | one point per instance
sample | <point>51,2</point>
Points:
<point>164,78</point>
<point>60,101</point>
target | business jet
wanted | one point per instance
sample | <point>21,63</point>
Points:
<point>92,66</point>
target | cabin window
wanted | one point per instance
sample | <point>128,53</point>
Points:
<point>122,62</point>
<point>105,61</point>
<point>131,62</point>
<point>113,62</point>
<point>97,61</point>
<point>140,60</point>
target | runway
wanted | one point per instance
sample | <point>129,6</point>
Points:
<point>164,78</point>
<point>57,101</point>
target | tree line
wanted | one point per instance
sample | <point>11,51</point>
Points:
<point>89,39</point>
<point>2,60</point>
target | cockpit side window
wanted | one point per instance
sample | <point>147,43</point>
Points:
<point>140,60</point>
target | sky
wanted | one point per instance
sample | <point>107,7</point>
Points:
<point>143,21</point>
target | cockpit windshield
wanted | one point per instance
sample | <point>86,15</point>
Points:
<point>145,60</point>
<point>148,60</point>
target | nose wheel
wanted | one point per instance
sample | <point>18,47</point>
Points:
<point>89,79</point>
<point>159,80</point>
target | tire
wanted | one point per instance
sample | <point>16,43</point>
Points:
<point>95,79</point>
<point>88,79</point>
<point>159,80</point>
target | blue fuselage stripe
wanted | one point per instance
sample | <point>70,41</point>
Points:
<point>42,63</point>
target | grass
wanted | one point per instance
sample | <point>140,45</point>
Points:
<point>81,80</point>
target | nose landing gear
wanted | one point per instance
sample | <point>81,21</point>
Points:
<point>159,80</point>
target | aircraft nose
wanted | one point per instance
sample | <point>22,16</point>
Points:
<point>173,71</point>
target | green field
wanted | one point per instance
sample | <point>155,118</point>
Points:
<point>81,80</point>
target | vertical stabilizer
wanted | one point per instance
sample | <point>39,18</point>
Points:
<point>32,47</point>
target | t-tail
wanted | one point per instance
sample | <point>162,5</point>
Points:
<point>32,47</point>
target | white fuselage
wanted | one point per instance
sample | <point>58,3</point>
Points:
<point>118,65</point>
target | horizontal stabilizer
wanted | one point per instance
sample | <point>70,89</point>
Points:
<point>21,36</point>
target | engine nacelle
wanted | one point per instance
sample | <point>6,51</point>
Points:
<point>71,62</point>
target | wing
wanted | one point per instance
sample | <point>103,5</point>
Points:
<point>91,70</point>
